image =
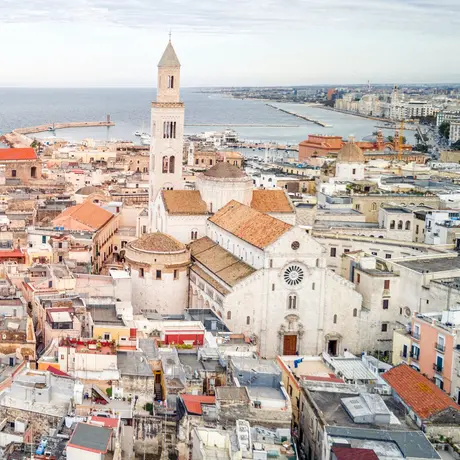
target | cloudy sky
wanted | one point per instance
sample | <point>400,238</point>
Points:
<point>219,42</point>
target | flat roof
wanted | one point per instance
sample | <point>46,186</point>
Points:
<point>91,438</point>
<point>432,265</point>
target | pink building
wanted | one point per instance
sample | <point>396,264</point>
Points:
<point>433,341</point>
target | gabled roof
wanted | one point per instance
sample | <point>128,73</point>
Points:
<point>18,154</point>
<point>271,201</point>
<point>193,402</point>
<point>416,391</point>
<point>183,202</point>
<point>252,226</point>
<point>220,262</point>
<point>88,214</point>
<point>169,58</point>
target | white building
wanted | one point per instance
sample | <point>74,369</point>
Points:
<point>454,133</point>
<point>166,148</point>
<point>442,227</point>
<point>267,279</point>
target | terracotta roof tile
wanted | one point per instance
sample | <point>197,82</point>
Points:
<point>419,393</point>
<point>88,214</point>
<point>252,226</point>
<point>220,262</point>
<point>157,242</point>
<point>183,202</point>
<point>225,171</point>
<point>193,402</point>
<point>271,201</point>
<point>18,154</point>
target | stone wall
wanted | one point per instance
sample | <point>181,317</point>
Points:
<point>22,170</point>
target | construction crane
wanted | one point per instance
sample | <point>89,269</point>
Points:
<point>400,139</point>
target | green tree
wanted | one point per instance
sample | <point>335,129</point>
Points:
<point>444,129</point>
<point>421,148</point>
<point>456,145</point>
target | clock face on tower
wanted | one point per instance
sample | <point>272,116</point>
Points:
<point>293,275</point>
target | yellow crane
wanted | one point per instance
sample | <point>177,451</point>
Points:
<point>400,137</point>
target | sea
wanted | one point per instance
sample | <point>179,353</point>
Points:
<point>129,109</point>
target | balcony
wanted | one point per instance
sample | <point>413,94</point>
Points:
<point>440,347</point>
<point>415,335</point>
<point>437,368</point>
<point>415,356</point>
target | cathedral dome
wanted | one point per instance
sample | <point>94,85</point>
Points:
<point>350,153</point>
<point>157,242</point>
<point>224,171</point>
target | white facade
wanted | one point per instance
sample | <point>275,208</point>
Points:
<point>349,171</point>
<point>440,226</point>
<point>454,133</point>
<point>167,130</point>
<point>398,222</point>
<point>317,310</point>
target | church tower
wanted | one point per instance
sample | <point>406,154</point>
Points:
<point>167,142</point>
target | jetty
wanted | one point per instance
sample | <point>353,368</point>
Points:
<point>303,117</point>
<point>19,136</point>
<point>243,125</point>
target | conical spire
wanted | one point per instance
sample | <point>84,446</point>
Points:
<point>169,58</point>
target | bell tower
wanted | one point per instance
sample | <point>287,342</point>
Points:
<point>167,142</point>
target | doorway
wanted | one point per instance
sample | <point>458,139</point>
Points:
<point>290,345</point>
<point>332,347</point>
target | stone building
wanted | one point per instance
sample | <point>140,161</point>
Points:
<point>21,164</point>
<point>158,264</point>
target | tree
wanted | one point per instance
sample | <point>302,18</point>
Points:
<point>421,148</point>
<point>390,138</point>
<point>456,145</point>
<point>444,129</point>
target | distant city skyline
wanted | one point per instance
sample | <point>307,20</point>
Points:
<point>105,43</point>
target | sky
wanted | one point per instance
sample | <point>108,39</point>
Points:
<point>118,43</point>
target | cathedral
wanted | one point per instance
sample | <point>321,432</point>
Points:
<point>233,249</point>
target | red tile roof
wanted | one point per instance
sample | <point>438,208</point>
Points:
<point>87,213</point>
<point>318,378</point>
<point>351,453</point>
<point>252,226</point>
<point>103,421</point>
<point>18,154</point>
<point>15,253</point>
<point>419,393</point>
<point>193,402</point>
<point>57,372</point>
<point>271,201</point>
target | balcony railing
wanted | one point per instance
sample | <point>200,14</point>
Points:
<point>437,368</point>
<point>415,356</point>
<point>415,335</point>
<point>440,347</point>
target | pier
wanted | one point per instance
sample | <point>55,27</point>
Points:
<point>19,136</point>
<point>303,117</point>
<point>243,125</point>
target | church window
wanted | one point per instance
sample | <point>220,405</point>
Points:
<point>293,275</point>
<point>335,319</point>
<point>333,252</point>
<point>158,274</point>
<point>141,272</point>
<point>312,286</point>
<point>176,274</point>
<point>229,315</point>
<point>165,164</point>
<point>374,206</point>
<point>392,225</point>
<point>355,312</point>
<point>33,171</point>
<point>248,320</point>
<point>194,235</point>
<point>210,162</point>
<point>292,302</point>
<point>273,287</point>
<point>197,161</point>
<point>171,81</point>
<point>408,225</point>
<point>353,171</point>
<point>172,164</point>
<point>400,224</point>
<point>13,173</point>
<point>295,245</point>
<point>271,263</point>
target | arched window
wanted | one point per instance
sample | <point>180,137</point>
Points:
<point>374,206</point>
<point>229,315</point>
<point>392,225</point>
<point>400,224</point>
<point>171,81</point>
<point>165,164</point>
<point>172,164</point>
<point>248,320</point>
<point>407,224</point>
<point>355,312</point>
<point>292,302</point>
<point>194,234</point>
<point>335,319</point>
